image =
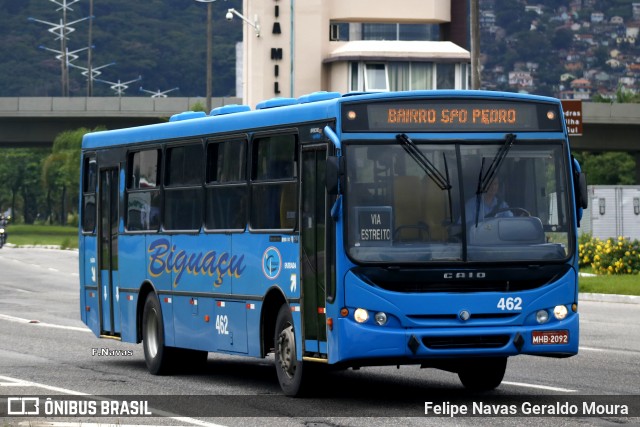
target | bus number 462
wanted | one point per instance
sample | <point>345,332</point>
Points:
<point>222,324</point>
<point>510,303</point>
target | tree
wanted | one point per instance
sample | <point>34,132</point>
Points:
<point>623,96</point>
<point>60,173</point>
<point>18,167</point>
<point>610,168</point>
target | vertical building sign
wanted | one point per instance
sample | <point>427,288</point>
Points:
<point>276,52</point>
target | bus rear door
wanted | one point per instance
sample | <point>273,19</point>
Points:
<point>108,214</point>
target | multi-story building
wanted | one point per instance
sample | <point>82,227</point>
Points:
<point>352,45</point>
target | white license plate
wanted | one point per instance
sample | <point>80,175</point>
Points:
<point>550,337</point>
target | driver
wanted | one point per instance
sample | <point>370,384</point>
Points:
<point>490,204</point>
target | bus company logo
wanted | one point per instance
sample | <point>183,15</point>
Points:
<point>271,262</point>
<point>466,275</point>
<point>164,258</point>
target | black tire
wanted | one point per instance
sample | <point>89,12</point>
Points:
<point>483,374</point>
<point>290,370</point>
<point>159,358</point>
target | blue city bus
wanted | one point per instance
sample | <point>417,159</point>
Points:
<point>431,228</point>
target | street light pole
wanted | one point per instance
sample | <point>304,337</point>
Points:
<point>209,54</point>
<point>475,45</point>
<point>209,50</point>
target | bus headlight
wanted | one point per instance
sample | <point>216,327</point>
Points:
<point>542,316</point>
<point>381,318</point>
<point>560,312</point>
<point>361,315</point>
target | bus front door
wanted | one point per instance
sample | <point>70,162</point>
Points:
<point>312,257</point>
<point>108,213</point>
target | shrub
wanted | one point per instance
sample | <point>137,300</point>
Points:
<point>612,256</point>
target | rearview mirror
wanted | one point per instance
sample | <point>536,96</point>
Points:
<point>583,192</point>
<point>334,174</point>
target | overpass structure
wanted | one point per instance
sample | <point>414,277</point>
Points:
<point>35,121</point>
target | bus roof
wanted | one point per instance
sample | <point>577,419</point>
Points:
<point>271,113</point>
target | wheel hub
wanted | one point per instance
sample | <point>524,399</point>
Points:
<point>287,351</point>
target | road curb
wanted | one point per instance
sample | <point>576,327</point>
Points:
<point>625,299</point>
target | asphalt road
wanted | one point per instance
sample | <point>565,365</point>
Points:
<point>45,350</point>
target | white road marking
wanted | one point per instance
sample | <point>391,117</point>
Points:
<point>609,350</point>
<point>42,324</point>
<point>25,383</point>
<point>542,387</point>
<point>601,350</point>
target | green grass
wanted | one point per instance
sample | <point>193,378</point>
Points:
<point>621,284</point>
<point>54,235</point>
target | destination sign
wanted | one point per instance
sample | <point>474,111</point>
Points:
<point>450,116</point>
<point>374,225</point>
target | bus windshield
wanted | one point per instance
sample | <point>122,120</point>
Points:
<point>414,201</point>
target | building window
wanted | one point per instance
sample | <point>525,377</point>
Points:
<point>375,78</point>
<point>399,76</point>
<point>344,31</point>
<point>446,73</point>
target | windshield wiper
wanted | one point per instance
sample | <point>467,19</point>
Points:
<point>484,181</point>
<point>429,168</point>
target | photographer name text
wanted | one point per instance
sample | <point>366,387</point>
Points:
<point>524,408</point>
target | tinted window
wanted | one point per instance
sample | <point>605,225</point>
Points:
<point>89,182</point>
<point>143,169</point>
<point>184,165</point>
<point>143,192</point>
<point>226,193</point>
<point>274,186</point>
<point>274,157</point>
<point>183,187</point>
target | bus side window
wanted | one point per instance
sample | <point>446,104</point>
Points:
<point>89,184</point>
<point>183,187</point>
<point>273,187</point>
<point>226,185</point>
<point>143,192</point>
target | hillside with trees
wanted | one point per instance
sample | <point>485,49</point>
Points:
<point>577,49</point>
<point>162,41</point>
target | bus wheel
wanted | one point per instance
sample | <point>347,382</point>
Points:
<point>156,354</point>
<point>289,369</point>
<point>483,374</point>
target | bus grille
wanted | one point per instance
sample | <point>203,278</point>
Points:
<point>451,316</point>
<point>459,342</point>
<point>496,279</point>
